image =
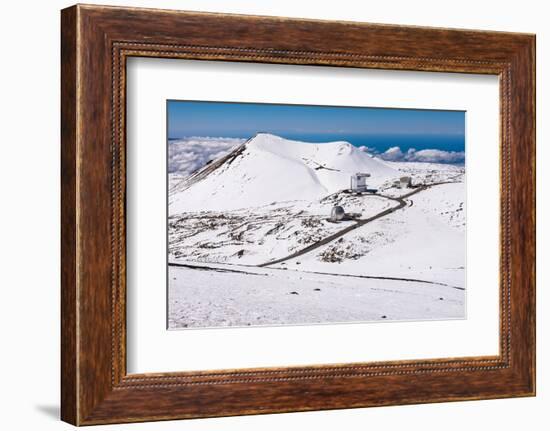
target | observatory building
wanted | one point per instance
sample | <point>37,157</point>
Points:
<point>402,183</point>
<point>405,182</point>
<point>359,182</point>
<point>337,214</point>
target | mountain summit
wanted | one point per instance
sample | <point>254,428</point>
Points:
<point>268,168</point>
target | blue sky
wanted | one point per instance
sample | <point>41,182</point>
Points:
<point>192,118</point>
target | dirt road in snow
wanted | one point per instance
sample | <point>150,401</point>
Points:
<point>401,204</point>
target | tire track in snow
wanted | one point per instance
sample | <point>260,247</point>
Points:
<point>370,277</point>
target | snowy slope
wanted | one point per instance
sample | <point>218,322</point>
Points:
<point>269,168</point>
<point>227,295</point>
<point>425,240</point>
<point>265,233</point>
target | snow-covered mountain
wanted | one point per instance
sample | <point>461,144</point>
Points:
<point>250,241</point>
<point>268,168</point>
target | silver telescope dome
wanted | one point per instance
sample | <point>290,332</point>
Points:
<point>337,213</point>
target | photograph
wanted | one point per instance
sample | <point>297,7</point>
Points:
<point>283,214</point>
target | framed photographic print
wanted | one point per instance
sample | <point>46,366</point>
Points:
<point>259,216</point>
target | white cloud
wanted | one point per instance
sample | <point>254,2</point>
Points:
<point>186,155</point>
<point>395,154</point>
<point>392,154</point>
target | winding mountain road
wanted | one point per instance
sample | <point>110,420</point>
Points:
<point>401,203</point>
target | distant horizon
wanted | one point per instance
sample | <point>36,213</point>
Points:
<point>376,128</point>
<point>375,142</point>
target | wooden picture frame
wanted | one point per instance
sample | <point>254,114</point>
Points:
<point>95,43</point>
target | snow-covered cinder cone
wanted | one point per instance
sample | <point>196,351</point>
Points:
<point>268,168</point>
